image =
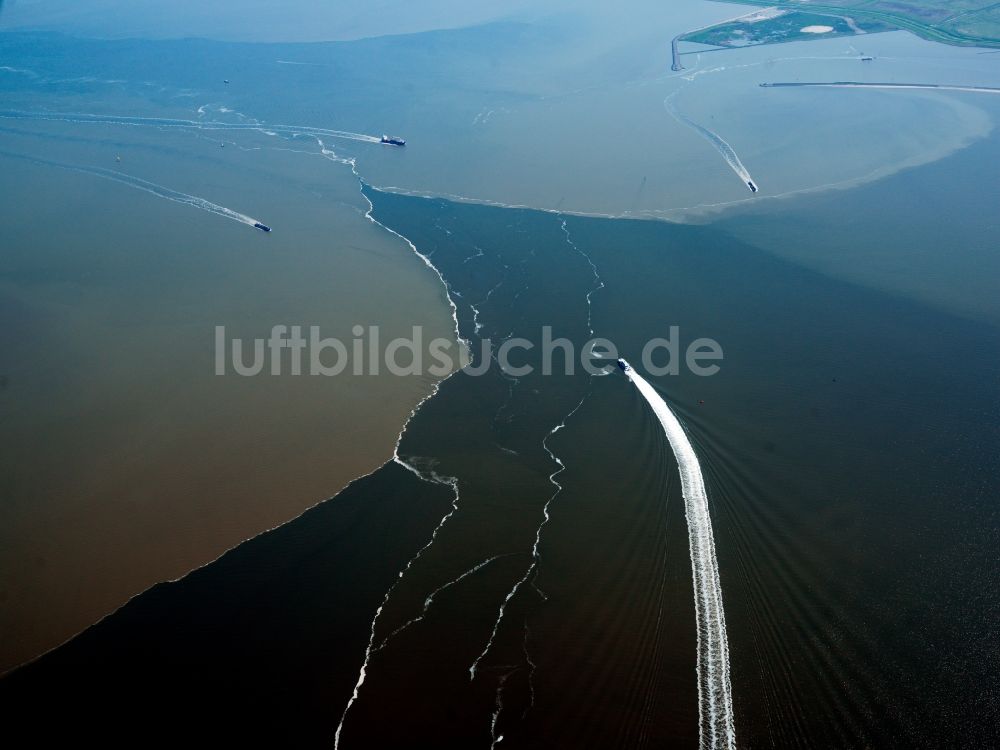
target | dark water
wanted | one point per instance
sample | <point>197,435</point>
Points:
<point>849,445</point>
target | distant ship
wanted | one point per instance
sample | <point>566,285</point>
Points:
<point>393,141</point>
<point>625,366</point>
<point>750,184</point>
<point>261,227</point>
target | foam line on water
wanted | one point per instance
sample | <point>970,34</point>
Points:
<point>532,666</point>
<point>535,554</point>
<point>144,185</point>
<point>598,282</point>
<point>406,463</point>
<point>495,738</point>
<point>18,71</point>
<point>427,262</point>
<point>371,649</point>
<point>715,700</point>
<point>430,598</point>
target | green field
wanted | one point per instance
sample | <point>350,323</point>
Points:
<point>784,28</point>
<point>961,22</point>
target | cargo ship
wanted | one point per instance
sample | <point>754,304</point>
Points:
<point>393,141</point>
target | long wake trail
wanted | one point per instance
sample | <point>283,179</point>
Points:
<point>145,186</point>
<point>905,86</point>
<point>160,122</point>
<point>715,699</point>
<point>720,144</point>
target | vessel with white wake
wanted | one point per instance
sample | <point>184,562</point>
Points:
<point>715,696</point>
<point>392,141</point>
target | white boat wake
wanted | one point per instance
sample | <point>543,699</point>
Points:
<point>903,86</point>
<point>720,144</point>
<point>715,700</point>
<point>147,187</point>
<point>159,122</point>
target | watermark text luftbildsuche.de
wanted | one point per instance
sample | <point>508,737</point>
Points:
<point>304,350</point>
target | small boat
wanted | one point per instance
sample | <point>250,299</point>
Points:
<point>393,141</point>
<point>261,227</point>
<point>624,366</point>
<point>750,184</point>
